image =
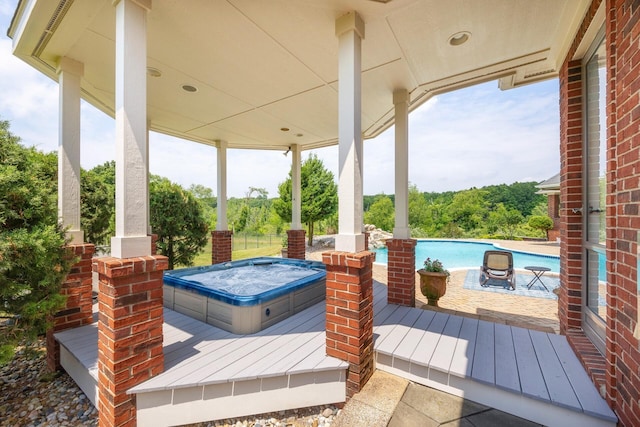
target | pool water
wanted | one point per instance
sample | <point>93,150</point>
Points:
<point>463,254</point>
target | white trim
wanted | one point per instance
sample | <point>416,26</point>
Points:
<point>221,221</point>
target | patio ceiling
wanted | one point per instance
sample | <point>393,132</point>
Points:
<point>261,66</point>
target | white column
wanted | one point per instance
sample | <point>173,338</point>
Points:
<point>296,188</point>
<point>69,74</point>
<point>149,229</point>
<point>401,103</point>
<point>131,239</point>
<point>221,223</point>
<point>350,32</point>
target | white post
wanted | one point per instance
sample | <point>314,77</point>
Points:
<point>131,239</point>
<point>221,223</point>
<point>149,229</point>
<point>296,188</point>
<point>401,103</point>
<point>350,32</point>
<point>69,74</point>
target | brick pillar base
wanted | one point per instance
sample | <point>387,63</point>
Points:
<point>154,244</point>
<point>297,244</point>
<point>401,272</point>
<point>221,246</point>
<point>129,332</point>
<point>78,309</point>
<point>350,314</point>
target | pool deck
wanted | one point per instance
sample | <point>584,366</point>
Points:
<point>213,374</point>
<point>532,313</point>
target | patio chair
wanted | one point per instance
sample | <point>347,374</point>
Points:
<point>498,265</point>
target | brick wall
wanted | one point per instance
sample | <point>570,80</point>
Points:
<point>221,246</point>
<point>401,272</point>
<point>621,363</point>
<point>296,244</point>
<point>623,219</point>
<point>78,308</point>
<point>571,197</point>
<point>129,332</point>
<point>350,314</point>
<point>553,210</point>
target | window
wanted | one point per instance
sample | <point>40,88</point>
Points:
<point>595,72</point>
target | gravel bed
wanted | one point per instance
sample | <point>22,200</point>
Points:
<point>33,397</point>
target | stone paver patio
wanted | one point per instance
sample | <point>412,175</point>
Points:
<point>532,313</point>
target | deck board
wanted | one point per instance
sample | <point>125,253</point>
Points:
<point>479,359</point>
<point>443,353</point>
<point>507,376</point>
<point>558,385</point>
<point>427,344</point>
<point>484,367</point>
<point>396,336</point>
<point>262,356</point>
<point>531,379</point>
<point>462,358</point>
<point>588,396</point>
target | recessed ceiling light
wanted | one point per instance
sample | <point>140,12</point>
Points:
<point>459,38</point>
<point>284,129</point>
<point>189,88</point>
<point>153,72</point>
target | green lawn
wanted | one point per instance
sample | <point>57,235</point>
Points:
<point>204,257</point>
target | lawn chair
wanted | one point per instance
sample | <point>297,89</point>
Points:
<point>498,265</point>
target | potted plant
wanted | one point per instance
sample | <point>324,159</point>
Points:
<point>433,280</point>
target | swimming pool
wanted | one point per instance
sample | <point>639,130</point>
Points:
<point>465,254</point>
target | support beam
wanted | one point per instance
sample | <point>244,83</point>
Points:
<point>401,103</point>
<point>69,74</point>
<point>296,188</point>
<point>350,32</point>
<point>221,222</point>
<point>131,239</point>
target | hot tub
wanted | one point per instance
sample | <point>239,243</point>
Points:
<point>245,296</point>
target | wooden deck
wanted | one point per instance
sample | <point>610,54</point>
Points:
<point>531,374</point>
<point>213,374</point>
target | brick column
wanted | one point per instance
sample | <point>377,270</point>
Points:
<point>296,244</point>
<point>154,244</point>
<point>221,246</point>
<point>401,272</point>
<point>350,314</point>
<point>129,332</point>
<point>78,309</point>
<point>571,197</point>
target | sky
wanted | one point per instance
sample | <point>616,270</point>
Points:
<point>468,138</point>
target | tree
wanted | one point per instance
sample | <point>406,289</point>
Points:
<point>507,220</point>
<point>176,217</point>
<point>468,209</point>
<point>381,214</point>
<point>542,223</point>
<point>208,203</point>
<point>418,215</point>
<point>319,195</point>
<point>97,209</point>
<point>33,260</point>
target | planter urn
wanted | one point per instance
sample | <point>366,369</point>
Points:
<point>433,285</point>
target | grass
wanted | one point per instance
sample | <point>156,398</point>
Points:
<point>204,257</point>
